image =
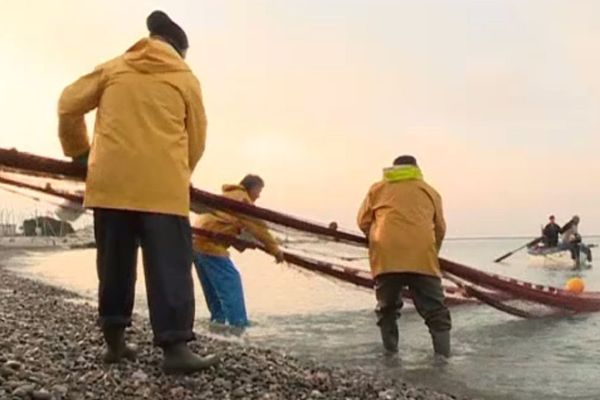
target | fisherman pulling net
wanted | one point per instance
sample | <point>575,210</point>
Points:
<point>336,253</point>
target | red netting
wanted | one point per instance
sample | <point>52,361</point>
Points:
<point>336,253</point>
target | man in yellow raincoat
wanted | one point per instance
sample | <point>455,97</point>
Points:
<point>149,134</point>
<point>403,219</point>
<point>220,279</point>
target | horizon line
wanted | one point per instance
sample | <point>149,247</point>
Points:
<point>501,237</point>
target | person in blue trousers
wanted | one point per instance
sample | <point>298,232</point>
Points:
<point>221,281</point>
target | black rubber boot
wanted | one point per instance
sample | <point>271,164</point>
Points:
<point>179,359</point>
<point>389,335</point>
<point>116,348</point>
<point>441,343</point>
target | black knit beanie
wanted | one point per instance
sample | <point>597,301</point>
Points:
<point>159,24</point>
<point>405,160</point>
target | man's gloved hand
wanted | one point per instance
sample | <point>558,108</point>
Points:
<point>82,159</point>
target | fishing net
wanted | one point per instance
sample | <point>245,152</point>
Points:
<point>327,250</point>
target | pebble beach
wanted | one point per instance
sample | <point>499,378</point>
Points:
<point>50,349</point>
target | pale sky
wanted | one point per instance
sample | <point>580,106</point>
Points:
<point>498,100</point>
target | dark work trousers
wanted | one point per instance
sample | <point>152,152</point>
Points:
<point>576,248</point>
<point>166,243</point>
<point>428,298</point>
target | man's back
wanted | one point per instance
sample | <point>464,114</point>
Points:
<point>149,130</point>
<point>405,226</point>
<point>406,206</point>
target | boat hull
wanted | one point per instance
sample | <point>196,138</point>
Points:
<point>555,257</point>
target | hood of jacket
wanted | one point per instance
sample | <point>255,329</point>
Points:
<point>232,188</point>
<point>154,56</point>
<point>402,173</point>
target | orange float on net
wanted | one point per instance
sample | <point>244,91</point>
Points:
<point>575,285</point>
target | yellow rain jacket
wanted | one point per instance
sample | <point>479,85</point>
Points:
<point>149,134</point>
<point>402,217</point>
<point>232,225</point>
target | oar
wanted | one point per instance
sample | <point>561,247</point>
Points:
<point>510,253</point>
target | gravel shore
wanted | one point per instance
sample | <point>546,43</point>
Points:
<point>50,349</point>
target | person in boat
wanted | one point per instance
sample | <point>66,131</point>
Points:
<point>551,233</point>
<point>149,134</point>
<point>571,240</point>
<point>403,219</point>
<point>221,281</point>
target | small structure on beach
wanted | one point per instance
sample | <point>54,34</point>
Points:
<point>46,226</point>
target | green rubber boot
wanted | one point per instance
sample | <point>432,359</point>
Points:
<point>116,348</point>
<point>179,359</point>
<point>441,343</point>
<point>389,335</point>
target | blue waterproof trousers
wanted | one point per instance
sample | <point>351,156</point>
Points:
<point>222,286</point>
